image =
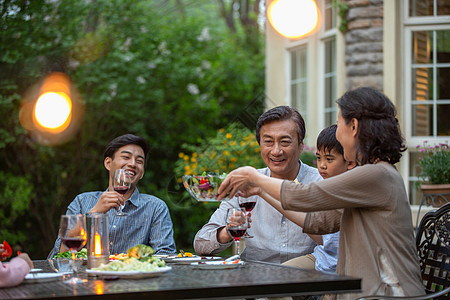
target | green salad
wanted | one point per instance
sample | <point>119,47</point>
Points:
<point>67,254</point>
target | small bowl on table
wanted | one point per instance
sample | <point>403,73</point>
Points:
<point>204,187</point>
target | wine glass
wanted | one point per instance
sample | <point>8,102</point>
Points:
<point>72,231</point>
<point>247,204</point>
<point>237,225</point>
<point>121,184</point>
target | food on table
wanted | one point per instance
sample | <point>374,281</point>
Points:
<point>67,254</point>
<point>138,258</point>
<point>7,249</point>
<point>140,251</point>
<point>132,264</point>
<point>184,254</point>
<point>204,187</point>
<point>118,256</point>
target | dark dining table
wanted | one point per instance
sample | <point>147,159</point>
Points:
<point>184,281</point>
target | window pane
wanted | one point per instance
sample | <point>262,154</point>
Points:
<point>443,119</point>
<point>302,98</point>
<point>330,51</point>
<point>329,92</point>
<point>302,66</point>
<point>420,8</point>
<point>293,65</point>
<point>443,46</point>
<point>329,15</point>
<point>422,83</point>
<point>414,171</point>
<point>421,47</point>
<point>423,8</point>
<point>329,119</point>
<point>443,77</point>
<point>294,95</point>
<point>422,116</point>
<point>443,7</point>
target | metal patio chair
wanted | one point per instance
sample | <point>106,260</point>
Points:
<point>433,246</point>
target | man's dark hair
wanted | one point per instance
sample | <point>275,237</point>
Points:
<point>327,142</point>
<point>282,113</point>
<point>123,140</point>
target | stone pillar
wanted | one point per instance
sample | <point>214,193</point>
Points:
<point>364,44</point>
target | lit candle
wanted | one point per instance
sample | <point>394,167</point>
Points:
<point>98,245</point>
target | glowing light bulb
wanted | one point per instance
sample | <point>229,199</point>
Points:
<point>293,18</point>
<point>53,110</point>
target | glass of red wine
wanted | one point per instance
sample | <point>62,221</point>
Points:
<point>72,231</point>
<point>237,225</point>
<point>247,204</point>
<point>121,184</point>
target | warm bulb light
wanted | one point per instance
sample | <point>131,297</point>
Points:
<point>53,110</point>
<point>293,18</point>
<point>98,245</point>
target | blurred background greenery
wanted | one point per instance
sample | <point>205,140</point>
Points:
<point>174,72</point>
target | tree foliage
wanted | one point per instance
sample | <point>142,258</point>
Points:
<point>165,70</point>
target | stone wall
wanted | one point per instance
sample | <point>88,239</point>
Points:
<point>364,44</point>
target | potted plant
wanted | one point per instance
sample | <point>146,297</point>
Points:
<point>435,175</point>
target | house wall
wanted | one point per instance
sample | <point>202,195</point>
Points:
<point>364,44</point>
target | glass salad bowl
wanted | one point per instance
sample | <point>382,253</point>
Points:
<point>204,187</point>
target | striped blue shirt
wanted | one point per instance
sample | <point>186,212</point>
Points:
<point>148,222</point>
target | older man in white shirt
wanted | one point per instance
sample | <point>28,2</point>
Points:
<point>280,132</point>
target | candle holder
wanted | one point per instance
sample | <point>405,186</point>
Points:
<point>98,239</point>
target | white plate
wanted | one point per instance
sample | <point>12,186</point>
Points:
<point>42,277</point>
<point>35,270</point>
<point>188,260</point>
<point>129,274</point>
<point>215,265</point>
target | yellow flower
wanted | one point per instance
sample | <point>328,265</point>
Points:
<point>229,135</point>
<point>181,155</point>
<point>233,143</point>
<point>179,180</point>
<point>257,150</point>
<point>187,168</point>
<point>194,154</point>
<point>194,166</point>
<point>192,158</point>
<point>221,130</point>
<point>242,143</point>
<point>186,157</point>
<point>231,166</point>
<point>233,159</point>
<point>226,153</point>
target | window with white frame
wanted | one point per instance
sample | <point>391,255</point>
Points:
<point>299,79</point>
<point>427,71</point>
<point>328,74</point>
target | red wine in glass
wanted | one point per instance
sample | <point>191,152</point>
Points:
<point>121,189</point>
<point>236,233</point>
<point>121,184</point>
<point>248,206</point>
<point>237,224</point>
<point>73,243</point>
<point>72,231</point>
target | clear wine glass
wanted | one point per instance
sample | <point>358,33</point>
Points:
<point>237,225</point>
<point>247,204</point>
<point>121,184</point>
<point>72,231</point>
